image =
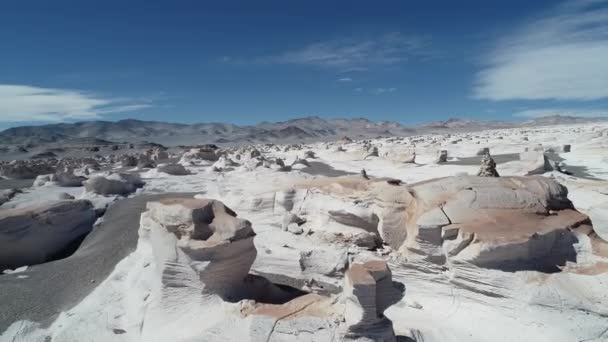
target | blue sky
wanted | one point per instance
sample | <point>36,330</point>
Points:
<point>250,61</point>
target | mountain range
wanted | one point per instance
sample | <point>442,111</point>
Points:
<point>305,129</point>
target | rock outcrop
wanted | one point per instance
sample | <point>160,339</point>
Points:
<point>198,155</point>
<point>200,240</point>
<point>38,234</point>
<point>442,157</point>
<point>536,162</point>
<point>173,169</point>
<point>369,290</point>
<point>488,167</point>
<point>20,169</point>
<point>114,184</point>
<point>508,222</point>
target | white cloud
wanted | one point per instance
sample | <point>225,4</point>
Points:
<point>384,90</point>
<point>376,91</point>
<point>542,112</point>
<point>345,79</point>
<point>22,103</point>
<point>562,55</point>
<point>354,55</point>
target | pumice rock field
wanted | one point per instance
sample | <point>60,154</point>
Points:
<point>492,235</point>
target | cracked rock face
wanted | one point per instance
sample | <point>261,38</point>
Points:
<point>494,222</point>
<point>200,240</point>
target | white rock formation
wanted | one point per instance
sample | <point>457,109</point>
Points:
<point>114,184</point>
<point>35,234</point>
<point>173,169</point>
<point>199,239</point>
<point>369,291</point>
<point>494,222</point>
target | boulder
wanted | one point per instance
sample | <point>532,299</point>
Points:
<point>202,241</point>
<point>114,184</point>
<point>442,157</point>
<point>173,169</point>
<point>8,194</point>
<point>309,154</point>
<point>373,152</point>
<point>198,155</point>
<point>483,151</point>
<point>488,167</point>
<point>507,223</point>
<point>128,161</point>
<point>369,290</point>
<point>38,234</point>
<point>26,170</point>
<point>67,179</point>
<point>535,162</point>
<point>144,161</point>
<point>159,154</point>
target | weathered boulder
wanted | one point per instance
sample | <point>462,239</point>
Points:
<point>114,184</point>
<point>535,162</point>
<point>159,154</point>
<point>369,290</point>
<point>25,170</point>
<point>37,234</point>
<point>409,158</point>
<point>173,169</point>
<point>128,161</point>
<point>202,241</point>
<point>373,152</point>
<point>197,155</point>
<point>506,222</point>
<point>488,167</point>
<point>144,161</point>
<point>442,157</point>
<point>309,154</point>
<point>483,151</point>
<point>8,194</point>
<point>67,179</point>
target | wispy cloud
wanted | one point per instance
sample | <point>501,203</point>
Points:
<point>384,90</point>
<point>539,113</point>
<point>355,54</point>
<point>23,103</point>
<point>562,55</point>
<point>376,91</point>
<point>345,79</point>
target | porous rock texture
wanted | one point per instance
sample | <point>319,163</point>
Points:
<point>488,167</point>
<point>36,234</point>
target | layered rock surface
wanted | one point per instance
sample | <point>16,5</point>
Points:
<point>34,235</point>
<point>487,221</point>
